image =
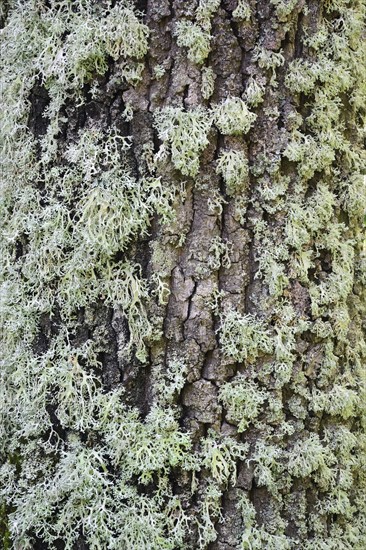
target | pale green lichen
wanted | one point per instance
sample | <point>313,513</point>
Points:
<point>66,214</point>
<point>205,11</point>
<point>220,457</point>
<point>284,8</point>
<point>159,71</point>
<point>195,39</point>
<point>233,166</point>
<point>242,11</point>
<point>254,92</point>
<point>219,254</point>
<point>169,383</point>
<point>243,337</point>
<point>312,457</point>
<point>185,132</point>
<point>195,36</point>
<point>242,400</point>
<point>232,117</point>
<point>208,82</point>
<point>209,513</point>
<point>269,60</point>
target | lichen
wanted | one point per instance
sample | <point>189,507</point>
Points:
<point>232,117</point>
<point>208,82</point>
<point>233,166</point>
<point>195,39</point>
<point>242,11</point>
<point>243,337</point>
<point>77,457</point>
<point>242,400</point>
<point>185,132</point>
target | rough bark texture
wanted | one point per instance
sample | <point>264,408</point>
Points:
<point>183,275</point>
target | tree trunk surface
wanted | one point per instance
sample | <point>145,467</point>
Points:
<point>183,275</point>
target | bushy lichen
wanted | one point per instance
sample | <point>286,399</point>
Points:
<point>233,166</point>
<point>254,92</point>
<point>77,458</point>
<point>232,117</point>
<point>220,457</point>
<point>242,400</point>
<point>242,11</point>
<point>243,337</point>
<point>197,40</point>
<point>269,60</point>
<point>195,36</point>
<point>284,8</point>
<point>208,82</point>
<point>186,134</point>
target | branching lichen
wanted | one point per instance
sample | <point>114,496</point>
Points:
<point>232,117</point>
<point>77,457</point>
<point>243,337</point>
<point>186,134</point>
<point>233,166</point>
<point>197,40</point>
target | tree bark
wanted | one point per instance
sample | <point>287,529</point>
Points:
<point>183,275</point>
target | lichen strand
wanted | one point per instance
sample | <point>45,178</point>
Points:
<point>183,284</point>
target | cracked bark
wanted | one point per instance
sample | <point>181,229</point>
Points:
<point>190,326</point>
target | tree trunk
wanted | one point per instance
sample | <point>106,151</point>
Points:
<point>183,282</point>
